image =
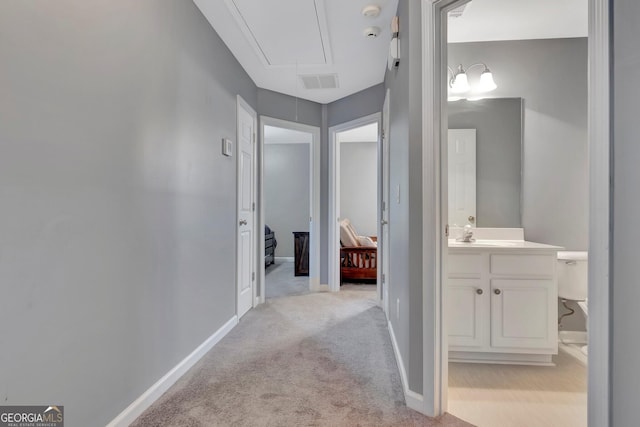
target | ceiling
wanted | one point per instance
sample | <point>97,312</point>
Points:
<point>277,41</point>
<point>488,20</point>
<point>285,44</point>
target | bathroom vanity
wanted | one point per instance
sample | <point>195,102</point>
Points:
<point>502,302</point>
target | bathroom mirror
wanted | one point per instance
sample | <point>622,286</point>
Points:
<point>489,130</point>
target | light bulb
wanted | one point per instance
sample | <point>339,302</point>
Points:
<point>486,82</point>
<point>460,83</point>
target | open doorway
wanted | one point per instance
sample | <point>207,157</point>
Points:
<point>355,199</point>
<point>289,203</point>
<point>512,154</point>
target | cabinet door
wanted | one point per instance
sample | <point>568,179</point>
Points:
<point>524,314</point>
<point>468,309</point>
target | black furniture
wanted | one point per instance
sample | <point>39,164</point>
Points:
<point>301,253</point>
<point>269,246</point>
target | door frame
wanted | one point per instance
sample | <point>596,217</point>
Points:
<point>242,104</point>
<point>385,194</point>
<point>334,198</point>
<point>435,359</point>
<point>314,219</point>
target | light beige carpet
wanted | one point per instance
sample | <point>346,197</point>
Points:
<point>281,281</point>
<point>320,359</point>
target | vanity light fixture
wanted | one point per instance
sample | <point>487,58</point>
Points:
<point>459,83</point>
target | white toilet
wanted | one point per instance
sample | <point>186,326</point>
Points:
<point>573,280</point>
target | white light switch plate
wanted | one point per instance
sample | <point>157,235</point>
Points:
<point>227,147</point>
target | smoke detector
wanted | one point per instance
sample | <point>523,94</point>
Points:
<point>371,11</point>
<point>371,32</point>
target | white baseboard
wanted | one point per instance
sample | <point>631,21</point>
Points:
<point>572,337</point>
<point>283,258</point>
<point>154,392</point>
<point>413,399</point>
<point>316,286</point>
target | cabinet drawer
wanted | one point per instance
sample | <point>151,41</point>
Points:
<point>523,265</point>
<point>465,264</point>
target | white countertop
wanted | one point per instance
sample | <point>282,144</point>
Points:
<point>502,245</point>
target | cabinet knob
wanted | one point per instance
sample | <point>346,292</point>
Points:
<point>497,291</point>
<point>479,291</point>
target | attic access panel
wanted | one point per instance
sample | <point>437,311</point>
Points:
<point>284,32</point>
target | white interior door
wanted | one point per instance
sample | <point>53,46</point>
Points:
<point>384,214</point>
<point>462,177</point>
<point>246,207</point>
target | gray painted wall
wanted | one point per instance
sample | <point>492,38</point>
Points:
<point>359,185</point>
<point>405,217</point>
<point>286,192</point>
<point>117,237</point>
<point>551,77</point>
<point>625,315</point>
<point>360,104</point>
<point>498,124</point>
<point>284,107</point>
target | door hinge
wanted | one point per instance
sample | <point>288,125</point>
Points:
<point>253,206</point>
<point>382,133</point>
<point>446,230</point>
<point>254,137</point>
<point>383,278</point>
<point>253,276</point>
<point>384,206</point>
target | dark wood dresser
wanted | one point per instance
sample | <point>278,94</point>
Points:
<point>269,247</point>
<point>301,253</point>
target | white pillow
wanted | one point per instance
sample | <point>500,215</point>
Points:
<point>347,238</point>
<point>367,242</point>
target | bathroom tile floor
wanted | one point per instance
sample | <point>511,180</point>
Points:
<point>520,396</point>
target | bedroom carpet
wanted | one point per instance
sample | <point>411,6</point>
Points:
<point>281,282</point>
<point>321,359</point>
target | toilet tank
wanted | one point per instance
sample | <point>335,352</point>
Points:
<point>572,275</point>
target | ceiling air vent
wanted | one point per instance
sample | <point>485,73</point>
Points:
<point>319,81</point>
<point>457,12</point>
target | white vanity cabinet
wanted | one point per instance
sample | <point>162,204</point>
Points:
<point>502,303</point>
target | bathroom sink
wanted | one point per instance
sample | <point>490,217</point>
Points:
<point>500,244</point>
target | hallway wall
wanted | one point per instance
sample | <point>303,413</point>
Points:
<point>625,292</point>
<point>116,237</point>
<point>405,213</point>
